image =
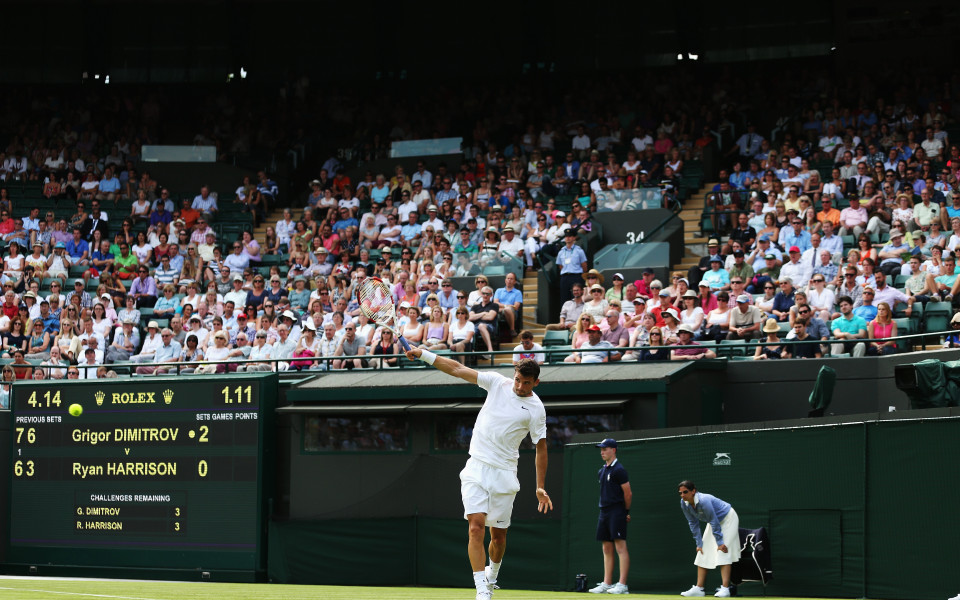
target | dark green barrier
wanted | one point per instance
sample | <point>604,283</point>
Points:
<point>343,552</point>
<point>406,551</point>
<point>789,481</point>
<point>849,508</point>
<point>911,475</point>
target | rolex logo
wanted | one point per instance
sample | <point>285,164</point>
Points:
<point>168,396</point>
<point>99,396</point>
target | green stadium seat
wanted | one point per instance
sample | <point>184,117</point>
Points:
<point>560,353</point>
<point>937,316</point>
<point>904,327</point>
<point>555,338</point>
<point>732,348</point>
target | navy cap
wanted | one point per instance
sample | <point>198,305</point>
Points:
<point>608,443</point>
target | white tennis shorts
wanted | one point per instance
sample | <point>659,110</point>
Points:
<point>711,557</point>
<point>490,491</point>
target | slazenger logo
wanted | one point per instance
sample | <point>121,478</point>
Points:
<point>722,459</point>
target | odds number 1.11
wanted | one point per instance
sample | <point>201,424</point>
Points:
<point>238,395</point>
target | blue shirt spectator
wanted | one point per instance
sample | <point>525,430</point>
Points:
<point>109,186</point>
<point>508,297</point>
<point>167,352</point>
<point>267,187</point>
<point>344,223</point>
<point>77,248</point>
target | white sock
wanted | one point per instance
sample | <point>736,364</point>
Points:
<point>494,569</point>
<point>480,580</point>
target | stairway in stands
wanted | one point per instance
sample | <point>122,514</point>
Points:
<point>695,244</point>
<point>260,233</point>
<point>529,318</point>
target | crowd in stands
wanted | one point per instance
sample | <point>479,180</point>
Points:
<point>829,235</point>
<point>814,229</point>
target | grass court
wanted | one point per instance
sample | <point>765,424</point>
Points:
<point>47,588</point>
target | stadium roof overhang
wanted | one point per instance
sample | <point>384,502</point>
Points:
<point>445,407</point>
<point>414,389</point>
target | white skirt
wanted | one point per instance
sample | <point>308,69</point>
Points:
<point>711,557</point>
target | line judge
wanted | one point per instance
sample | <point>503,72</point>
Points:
<point>720,543</point>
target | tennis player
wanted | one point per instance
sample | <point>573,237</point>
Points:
<point>720,543</point>
<point>488,483</point>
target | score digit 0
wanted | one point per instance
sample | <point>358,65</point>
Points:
<point>242,394</point>
<point>202,468</point>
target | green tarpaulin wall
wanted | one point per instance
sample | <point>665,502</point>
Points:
<point>406,551</point>
<point>850,510</point>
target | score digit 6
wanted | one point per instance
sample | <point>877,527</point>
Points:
<point>23,468</point>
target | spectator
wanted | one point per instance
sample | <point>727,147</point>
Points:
<point>848,327</point>
<point>591,351</point>
<point>350,345</point>
<point>484,316</point>
<point>509,299</point>
<point>685,334</point>
<point>745,320</point>
<point>615,333</point>
<point>164,353</point>
<point>527,348</point>
<point>881,330</point>
<point>205,203</point>
<point>891,255</point>
<point>853,220</point>
<point>774,350</point>
<point>867,310</point>
<point>144,289</point>
<point>716,277</point>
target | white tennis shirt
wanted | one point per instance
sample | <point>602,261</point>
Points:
<point>504,421</point>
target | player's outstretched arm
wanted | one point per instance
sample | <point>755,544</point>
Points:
<point>448,366</point>
<point>544,503</point>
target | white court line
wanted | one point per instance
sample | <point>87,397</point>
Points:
<point>76,594</point>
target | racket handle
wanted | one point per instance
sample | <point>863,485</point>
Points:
<point>403,342</point>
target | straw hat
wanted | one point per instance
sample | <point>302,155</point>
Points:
<point>771,326</point>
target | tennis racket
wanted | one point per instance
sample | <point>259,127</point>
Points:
<point>376,303</point>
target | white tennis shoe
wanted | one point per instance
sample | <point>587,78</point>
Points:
<point>484,595</point>
<point>491,582</point>
<point>957,597</point>
<point>618,588</point>
<point>601,588</point>
<point>723,592</point>
<point>694,591</point>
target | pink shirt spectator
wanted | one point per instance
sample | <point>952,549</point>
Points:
<point>851,217</point>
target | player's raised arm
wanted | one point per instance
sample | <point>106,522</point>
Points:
<point>448,366</point>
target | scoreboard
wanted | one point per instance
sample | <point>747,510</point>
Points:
<point>160,473</point>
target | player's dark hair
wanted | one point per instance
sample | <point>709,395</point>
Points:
<point>527,367</point>
<point>686,483</point>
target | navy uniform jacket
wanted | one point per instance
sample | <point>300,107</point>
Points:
<point>612,479</point>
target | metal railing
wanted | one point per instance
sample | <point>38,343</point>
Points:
<point>488,357</point>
